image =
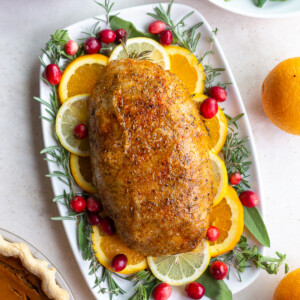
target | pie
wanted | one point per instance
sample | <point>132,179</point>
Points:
<point>23,276</point>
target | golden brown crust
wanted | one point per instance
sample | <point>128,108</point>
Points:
<point>150,158</point>
<point>36,266</point>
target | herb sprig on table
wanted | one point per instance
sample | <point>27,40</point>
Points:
<point>261,3</point>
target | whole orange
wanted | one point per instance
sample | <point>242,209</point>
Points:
<point>289,287</point>
<point>281,95</point>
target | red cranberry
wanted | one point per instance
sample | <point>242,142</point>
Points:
<point>195,290</point>
<point>80,131</point>
<point>120,35</point>
<point>53,74</point>
<point>213,233</point>
<point>235,178</point>
<point>166,38</point>
<point>157,27</point>
<point>92,45</point>
<point>218,93</point>
<point>162,291</point>
<point>78,204</point>
<point>71,47</point>
<point>249,198</point>
<point>93,205</point>
<point>209,108</point>
<point>94,218</point>
<point>107,36</point>
<point>119,262</point>
<point>108,226</point>
<point>218,270</point>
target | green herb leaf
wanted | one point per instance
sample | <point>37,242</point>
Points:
<point>214,289</point>
<point>83,238</point>
<point>255,224</point>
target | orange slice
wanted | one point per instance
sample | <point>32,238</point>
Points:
<point>81,169</point>
<point>228,217</point>
<point>107,247</point>
<point>187,68</point>
<point>81,75</point>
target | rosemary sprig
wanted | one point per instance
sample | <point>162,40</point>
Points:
<point>107,6</point>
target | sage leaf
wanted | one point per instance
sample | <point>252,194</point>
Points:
<point>255,224</point>
<point>214,289</point>
<point>83,238</point>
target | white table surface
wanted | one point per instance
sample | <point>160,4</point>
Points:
<point>252,46</point>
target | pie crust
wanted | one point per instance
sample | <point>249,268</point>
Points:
<point>35,266</point>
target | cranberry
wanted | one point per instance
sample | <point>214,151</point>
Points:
<point>209,108</point>
<point>93,205</point>
<point>195,290</point>
<point>78,204</point>
<point>71,47</point>
<point>92,45</point>
<point>157,27</point>
<point>162,291</point>
<point>213,233</point>
<point>235,178</point>
<point>249,198</point>
<point>218,270</point>
<point>94,218</point>
<point>166,38</point>
<point>218,93</point>
<point>80,131</point>
<point>120,34</point>
<point>108,226</point>
<point>119,262</point>
<point>107,36</point>
<point>53,74</point>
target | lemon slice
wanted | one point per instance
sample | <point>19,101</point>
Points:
<point>71,113</point>
<point>153,51</point>
<point>183,268</point>
<point>219,176</point>
<point>228,217</point>
<point>81,169</point>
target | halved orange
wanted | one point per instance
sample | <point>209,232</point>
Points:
<point>81,169</point>
<point>228,217</point>
<point>107,247</point>
<point>187,68</point>
<point>81,75</point>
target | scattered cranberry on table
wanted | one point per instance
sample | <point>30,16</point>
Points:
<point>209,108</point>
<point>71,47</point>
<point>235,178</point>
<point>119,262</point>
<point>80,131</point>
<point>93,205</point>
<point>108,226</point>
<point>166,38</point>
<point>107,36</point>
<point>249,198</point>
<point>120,35</point>
<point>218,93</point>
<point>157,27</point>
<point>94,218</point>
<point>213,233</point>
<point>92,46</point>
<point>218,270</point>
<point>78,204</point>
<point>162,291</point>
<point>195,290</point>
<point>53,74</point>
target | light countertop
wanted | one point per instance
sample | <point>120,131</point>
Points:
<point>252,47</point>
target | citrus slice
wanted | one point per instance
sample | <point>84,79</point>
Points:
<point>187,68</point>
<point>219,176</point>
<point>70,114</point>
<point>144,48</point>
<point>107,247</point>
<point>183,268</point>
<point>81,169</point>
<point>81,75</point>
<point>228,217</point>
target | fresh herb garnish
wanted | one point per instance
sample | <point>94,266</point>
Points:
<point>261,3</point>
